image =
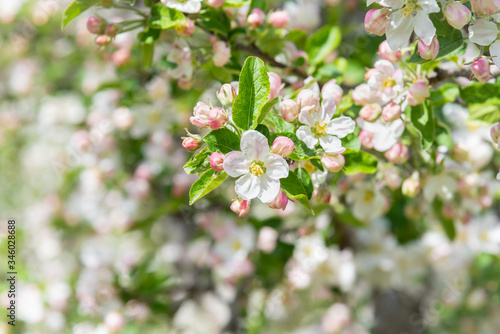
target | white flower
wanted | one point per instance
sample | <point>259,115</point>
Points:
<point>309,252</point>
<point>495,53</point>
<point>386,80</point>
<point>237,244</point>
<point>439,185</point>
<point>385,135</point>
<point>410,15</point>
<point>321,128</point>
<point>367,202</point>
<point>185,6</point>
<point>483,32</point>
<point>261,170</point>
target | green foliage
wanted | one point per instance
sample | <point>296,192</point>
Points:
<point>319,45</point>
<point>294,189</point>
<point>198,161</point>
<point>304,177</point>
<point>447,223</point>
<point>483,101</point>
<point>163,17</point>
<point>216,21</point>
<point>222,140</point>
<point>359,162</point>
<point>253,94</point>
<point>422,119</point>
<point>206,183</point>
<point>76,8</point>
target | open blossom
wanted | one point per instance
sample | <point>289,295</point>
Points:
<point>384,135</point>
<point>221,53</point>
<point>321,128</point>
<point>185,6</point>
<point>260,170</point>
<point>367,202</point>
<point>409,16</point>
<point>483,32</point>
<point>386,80</point>
<point>417,93</point>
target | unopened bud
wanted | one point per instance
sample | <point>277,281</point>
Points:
<point>267,238</point>
<point>279,19</point>
<point>333,163</point>
<point>430,51</point>
<point>484,7</point>
<point>221,53</point>
<point>256,18</point>
<point>274,85</point>
<point>321,196</point>
<point>495,134</point>
<point>282,146</point>
<point>289,110</point>
<point>376,21</point>
<point>200,115</point>
<point>398,154</point>
<point>112,30</point>
<point>366,138</point>
<point>308,99</point>
<point>280,202</point>
<point>481,70</point>
<point>386,52</point>
<point>216,161</point>
<point>333,91</point>
<point>456,14</point>
<point>217,118</point>
<point>185,28</point>
<point>411,186</point>
<point>391,112</point>
<point>215,3</point>
<point>95,25</point>
<point>417,93</point>
<point>241,207</point>
<point>370,112</point>
<point>102,40</point>
<point>190,143</point>
<point>226,95</point>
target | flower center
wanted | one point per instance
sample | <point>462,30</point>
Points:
<point>410,9</point>
<point>257,168</point>
<point>369,196</point>
<point>237,245</point>
<point>319,129</point>
<point>309,167</point>
<point>389,82</point>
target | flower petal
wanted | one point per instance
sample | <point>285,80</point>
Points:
<point>331,144</point>
<point>304,133</point>
<point>424,28</point>
<point>248,186</point>
<point>483,32</point>
<point>255,145</point>
<point>328,108</point>
<point>305,117</point>
<point>495,53</point>
<point>276,166</point>
<point>236,163</point>
<point>399,30</point>
<point>341,126</point>
<point>269,189</point>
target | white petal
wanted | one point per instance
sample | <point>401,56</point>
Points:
<point>248,186</point>
<point>236,163</point>
<point>328,108</point>
<point>424,28</point>
<point>305,117</point>
<point>191,6</point>
<point>304,133</point>
<point>331,144</point>
<point>384,66</point>
<point>341,126</point>
<point>382,141</point>
<point>495,53</point>
<point>276,166</point>
<point>428,6</point>
<point>269,189</point>
<point>399,30</point>
<point>255,145</point>
<point>483,32</point>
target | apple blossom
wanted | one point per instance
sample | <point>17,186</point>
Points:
<point>308,99</point>
<point>485,7</point>
<point>376,21</point>
<point>386,81</point>
<point>333,163</point>
<point>260,169</point>
<point>112,30</point>
<point>321,128</point>
<point>275,85</point>
<point>366,138</point>
<point>386,52</point>
<point>331,90</point>
<point>217,118</point>
<point>266,241</point>
<point>191,143</point>
<point>201,115</point>
<point>483,32</point>
<point>226,95</point>
<point>495,134</point>
<point>185,6</point>
<point>241,207</point>
<point>457,14</point>
<point>370,112</point>
<point>428,51</point>
<point>221,53</point>
<point>384,135</point>
<point>102,40</point>
<point>398,154</point>
<point>279,19</point>
<point>481,70</point>
<point>256,18</point>
<point>186,28</point>
<point>95,25</point>
<point>282,146</point>
<point>418,93</point>
<point>216,161</point>
<point>280,202</point>
<point>367,202</point>
<point>391,112</point>
<point>215,3</point>
<point>289,110</point>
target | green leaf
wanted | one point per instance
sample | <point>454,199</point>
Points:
<point>261,4</point>
<point>265,109</point>
<point>446,93</point>
<point>197,161</point>
<point>253,93</point>
<point>359,162</point>
<point>149,36</point>
<point>76,8</point>
<point>148,50</point>
<point>301,151</point>
<point>280,124</point>
<point>422,119</point>
<point>319,45</point>
<point>305,178</point>
<point>163,17</point>
<point>215,20</point>
<point>294,189</point>
<point>222,140</point>
<point>263,129</point>
<point>206,183</point>
<point>448,225</point>
<point>483,101</point>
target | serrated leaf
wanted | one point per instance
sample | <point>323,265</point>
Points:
<point>197,161</point>
<point>422,119</point>
<point>215,20</point>
<point>322,43</point>
<point>253,93</point>
<point>223,141</point>
<point>76,8</point>
<point>163,17</point>
<point>294,189</point>
<point>305,178</point>
<point>206,183</point>
<point>359,162</point>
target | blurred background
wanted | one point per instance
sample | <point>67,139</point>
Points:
<point>91,170</point>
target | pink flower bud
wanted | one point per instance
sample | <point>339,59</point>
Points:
<point>495,134</point>
<point>275,85</point>
<point>279,19</point>
<point>114,322</point>
<point>456,14</point>
<point>307,98</point>
<point>481,70</point>
<point>370,72</point>
<point>321,196</point>
<point>333,163</point>
<point>289,110</point>
<point>221,53</point>
<point>417,93</point>
<point>366,138</point>
<point>121,56</point>
<point>217,118</point>
<point>430,51</point>
<point>267,238</point>
<point>411,186</point>
<point>333,91</point>
<point>256,18</point>
<point>215,3</point>
<point>95,25</point>
<point>376,21</point>
<point>216,161</point>
<point>370,112</point>
<point>241,207</point>
<point>112,30</point>
<point>485,7</point>
<point>186,28</point>
<point>143,172</point>
<point>102,40</point>
<point>391,112</point>
<point>282,146</point>
<point>190,143</point>
<point>201,114</point>
<point>386,52</point>
<point>398,154</point>
<point>280,202</point>
<point>226,95</point>
<point>363,94</point>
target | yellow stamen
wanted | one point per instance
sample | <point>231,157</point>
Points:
<point>369,196</point>
<point>389,82</point>
<point>257,168</point>
<point>319,129</point>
